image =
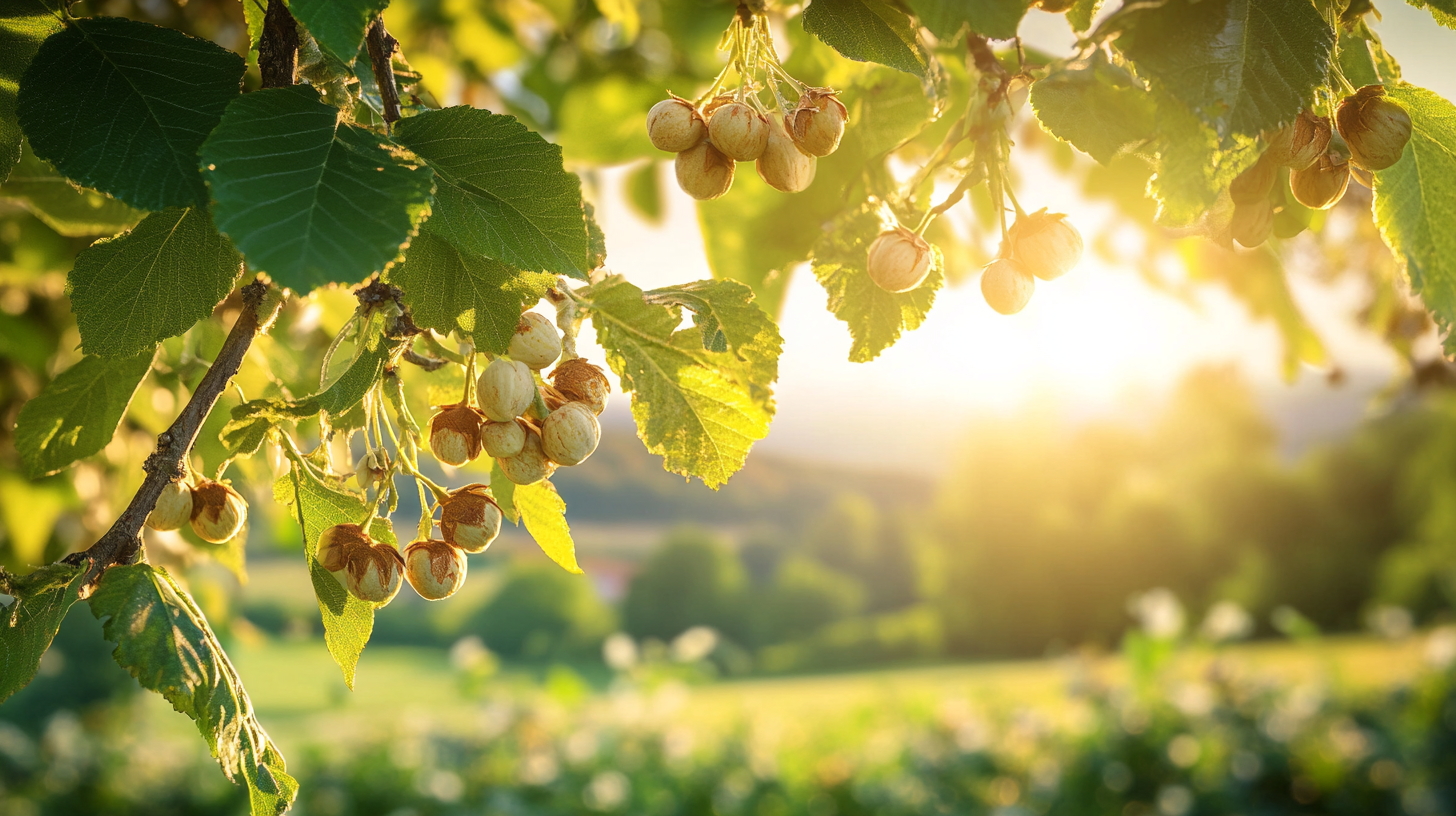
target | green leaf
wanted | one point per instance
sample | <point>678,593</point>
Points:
<point>348,621</point>
<point>30,622</point>
<point>164,640</point>
<point>876,318</point>
<point>1080,15</point>
<point>1443,10</point>
<point>501,190</point>
<point>1363,58</point>
<point>544,514</point>
<point>24,25</point>
<point>996,19</point>
<point>77,413</point>
<point>1096,107</point>
<point>122,106</point>
<point>141,287</point>
<point>604,121</point>
<point>688,408</point>
<point>337,25</point>
<point>1414,200</point>
<point>449,290</point>
<point>730,321</point>
<point>70,210</point>
<point>307,198</point>
<point>1245,66</point>
<point>1194,166</point>
<point>504,491</point>
<point>868,31</point>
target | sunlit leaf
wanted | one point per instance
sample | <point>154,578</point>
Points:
<point>30,622</point>
<point>544,514</point>
<point>77,413</point>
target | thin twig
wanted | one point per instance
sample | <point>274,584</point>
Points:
<point>381,58</point>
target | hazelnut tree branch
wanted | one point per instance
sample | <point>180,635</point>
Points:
<point>278,47</point>
<point>381,59</point>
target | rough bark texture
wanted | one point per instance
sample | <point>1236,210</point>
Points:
<point>278,49</point>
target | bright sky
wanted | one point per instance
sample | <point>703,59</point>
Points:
<point>1095,341</point>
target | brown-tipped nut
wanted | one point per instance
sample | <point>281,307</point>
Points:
<point>739,131</point>
<point>898,260</point>
<point>1300,143</point>
<point>674,125</point>
<point>371,469</point>
<point>536,342</point>
<point>1323,185</point>
<point>1252,223</point>
<point>173,509</point>
<point>1006,286</point>
<point>816,124</point>
<point>530,465</point>
<point>580,381</point>
<point>374,573</point>
<point>505,389</point>
<point>434,568</point>
<point>337,545</point>
<point>502,438</point>
<point>455,434</point>
<point>783,165</point>
<point>1254,183</point>
<point>703,172</point>
<point>218,512</point>
<point>470,518</point>
<point>1045,244</point>
<point>570,434</point>
<point>1374,126</point>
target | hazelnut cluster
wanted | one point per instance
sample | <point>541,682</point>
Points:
<point>215,511</point>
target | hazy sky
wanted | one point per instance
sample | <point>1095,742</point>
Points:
<point>1095,341</point>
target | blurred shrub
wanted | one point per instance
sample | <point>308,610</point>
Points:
<point>803,597</point>
<point>541,612</point>
<point>692,579</point>
<point>908,635</point>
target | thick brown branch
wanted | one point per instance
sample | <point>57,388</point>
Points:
<point>381,59</point>
<point>278,48</point>
<point>123,541</point>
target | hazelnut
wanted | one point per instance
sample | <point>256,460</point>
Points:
<point>898,260</point>
<point>371,469</point>
<point>817,122</point>
<point>1045,244</point>
<point>336,546</point>
<point>374,573</point>
<point>434,568</point>
<point>536,342</point>
<point>1322,185</point>
<point>1006,286</point>
<point>703,172</point>
<point>783,165</point>
<point>530,465</point>
<point>1255,182</point>
<point>455,434</point>
<point>1300,143</point>
<point>470,518</point>
<point>580,381</point>
<point>505,389</point>
<point>675,125</point>
<point>502,438</point>
<point>738,131</point>
<point>1374,126</point>
<point>173,508</point>
<point>218,512</point>
<point>570,434</point>
<point>1252,223</point>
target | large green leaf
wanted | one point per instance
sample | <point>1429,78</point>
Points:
<point>77,413</point>
<point>122,106</point>
<point>1443,10</point>
<point>449,290</point>
<point>307,198</point>
<point>1414,200</point>
<point>729,320</point>
<point>875,317</point>
<point>689,407</point>
<point>1095,106</point>
<point>997,19</point>
<point>30,622</point>
<point>1245,66</point>
<point>1194,165</point>
<point>868,31</point>
<point>544,514</point>
<point>164,640</point>
<point>501,190</point>
<point>141,287</point>
<point>337,25</point>
<point>604,121</point>
<point>64,207</point>
<point>24,25</point>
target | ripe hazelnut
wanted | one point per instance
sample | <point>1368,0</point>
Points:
<point>502,438</point>
<point>1252,223</point>
<point>898,260</point>
<point>675,125</point>
<point>739,131</point>
<point>455,434</point>
<point>337,545</point>
<point>570,434</point>
<point>434,568</point>
<point>374,573</point>
<point>580,381</point>
<point>218,512</point>
<point>536,342</point>
<point>783,165</point>
<point>530,465</point>
<point>173,508</point>
<point>1321,186</point>
<point>703,172</point>
<point>1374,126</point>
<point>505,389</point>
<point>1045,244</point>
<point>470,518</point>
<point>371,469</point>
<point>1299,144</point>
<point>1255,182</point>
<point>1006,286</point>
<point>816,124</point>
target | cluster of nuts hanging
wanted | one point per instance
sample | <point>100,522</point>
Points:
<point>1375,130</point>
<point>710,135</point>
<point>215,511</point>
<point>527,427</point>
